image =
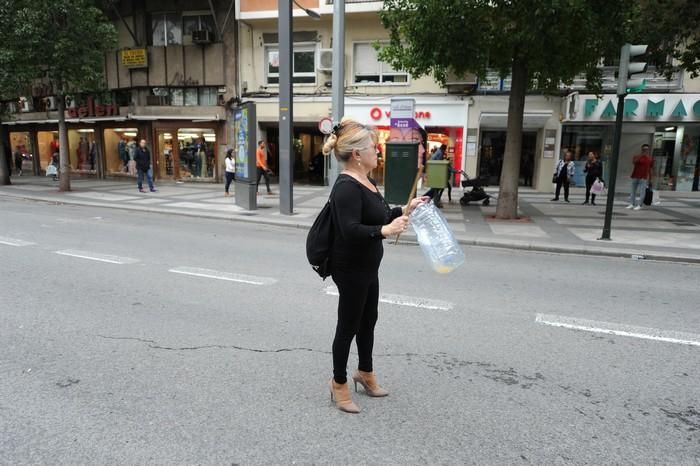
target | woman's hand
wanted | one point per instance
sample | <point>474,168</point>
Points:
<point>415,203</point>
<point>399,225</point>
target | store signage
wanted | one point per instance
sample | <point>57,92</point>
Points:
<point>92,110</point>
<point>650,107</point>
<point>134,58</point>
<point>377,114</point>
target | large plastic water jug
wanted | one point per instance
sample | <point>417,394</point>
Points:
<point>436,239</point>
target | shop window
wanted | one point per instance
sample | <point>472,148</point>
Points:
<point>82,150</point>
<point>119,146</point>
<point>368,69</point>
<point>197,149</point>
<point>166,29</point>
<point>197,22</point>
<point>303,64</point>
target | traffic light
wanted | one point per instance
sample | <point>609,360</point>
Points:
<point>627,69</point>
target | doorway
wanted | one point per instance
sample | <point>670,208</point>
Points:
<point>493,147</point>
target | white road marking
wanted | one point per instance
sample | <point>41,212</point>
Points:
<point>217,275</point>
<point>646,333</point>
<point>14,242</point>
<point>402,300</point>
<point>93,256</point>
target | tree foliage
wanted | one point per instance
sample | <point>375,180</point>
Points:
<point>60,44</point>
<point>557,39</point>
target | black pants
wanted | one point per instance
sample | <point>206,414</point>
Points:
<point>562,181</point>
<point>589,184</point>
<point>357,316</point>
<point>263,173</point>
<point>229,178</point>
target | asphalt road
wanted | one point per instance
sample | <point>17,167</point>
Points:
<point>123,356</point>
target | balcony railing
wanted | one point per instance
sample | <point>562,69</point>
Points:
<point>654,82</point>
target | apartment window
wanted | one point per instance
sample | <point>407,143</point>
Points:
<point>197,22</point>
<point>369,69</point>
<point>208,96</point>
<point>303,64</point>
<point>166,28</point>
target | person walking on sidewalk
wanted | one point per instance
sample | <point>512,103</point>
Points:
<point>230,170</point>
<point>263,170</point>
<point>19,158</point>
<point>362,219</point>
<point>142,157</point>
<point>594,171</point>
<point>641,177</point>
<point>563,174</point>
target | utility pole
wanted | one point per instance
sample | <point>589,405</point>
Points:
<point>286,112</point>
<point>624,85</point>
<point>338,78</point>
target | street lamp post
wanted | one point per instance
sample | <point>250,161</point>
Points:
<point>286,111</point>
<point>338,78</point>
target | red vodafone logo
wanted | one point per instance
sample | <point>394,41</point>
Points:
<point>377,113</point>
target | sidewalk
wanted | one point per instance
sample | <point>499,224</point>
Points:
<point>669,231</point>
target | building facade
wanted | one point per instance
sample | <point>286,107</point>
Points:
<point>167,82</point>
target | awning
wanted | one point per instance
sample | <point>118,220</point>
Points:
<point>531,120</point>
<point>54,121</point>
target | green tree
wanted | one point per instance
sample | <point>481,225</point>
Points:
<point>62,42</point>
<point>540,43</point>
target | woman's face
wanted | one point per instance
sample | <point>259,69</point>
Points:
<point>367,155</point>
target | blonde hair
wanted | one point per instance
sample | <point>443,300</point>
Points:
<point>349,135</point>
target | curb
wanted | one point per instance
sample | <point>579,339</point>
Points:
<point>408,238</point>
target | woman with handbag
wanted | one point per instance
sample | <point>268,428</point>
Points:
<point>594,171</point>
<point>361,219</point>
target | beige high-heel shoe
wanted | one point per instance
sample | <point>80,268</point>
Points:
<point>369,382</point>
<point>340,393</point>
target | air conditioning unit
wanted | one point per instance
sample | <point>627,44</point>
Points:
<point>50,103</point>
<point>201,36</point>
<point>325,60</point>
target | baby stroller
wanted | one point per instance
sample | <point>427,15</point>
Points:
<point>477,192</point>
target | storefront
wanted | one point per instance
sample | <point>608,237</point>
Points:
<point>444,119</point>
<point>669,123</point>
<point>182,149</point>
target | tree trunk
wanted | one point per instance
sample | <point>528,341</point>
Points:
<point>64,155</point>
<point>4,153</point>
<point>510,174</point>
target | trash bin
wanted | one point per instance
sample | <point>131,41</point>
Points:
<point>436,173</point>
<point>400,169</point>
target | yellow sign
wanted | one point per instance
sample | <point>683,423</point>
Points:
<point>134,58</point>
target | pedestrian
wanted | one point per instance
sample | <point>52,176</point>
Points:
<point>230,170</point>
<point>563,175</point>
<point>594,171</point>
<point>436,193</point>
<point>362,219</point>
<point>19,158</point>
<point>142,157</point>
<point>527,168</point>
<point>263,170</point>
<point>641,177</point>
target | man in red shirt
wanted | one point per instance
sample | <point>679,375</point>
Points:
<point>641,177</point>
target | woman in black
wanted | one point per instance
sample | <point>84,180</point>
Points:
<point>593,170</point>
<point>362,219</point>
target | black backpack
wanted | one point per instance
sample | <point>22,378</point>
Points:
<point>320,240</point>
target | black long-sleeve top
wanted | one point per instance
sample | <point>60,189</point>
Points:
<point>358,217</point>
<point>594,170</point>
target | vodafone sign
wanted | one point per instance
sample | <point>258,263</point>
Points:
<point>376,114</point>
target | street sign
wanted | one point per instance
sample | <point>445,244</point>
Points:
<point>325,125</point>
